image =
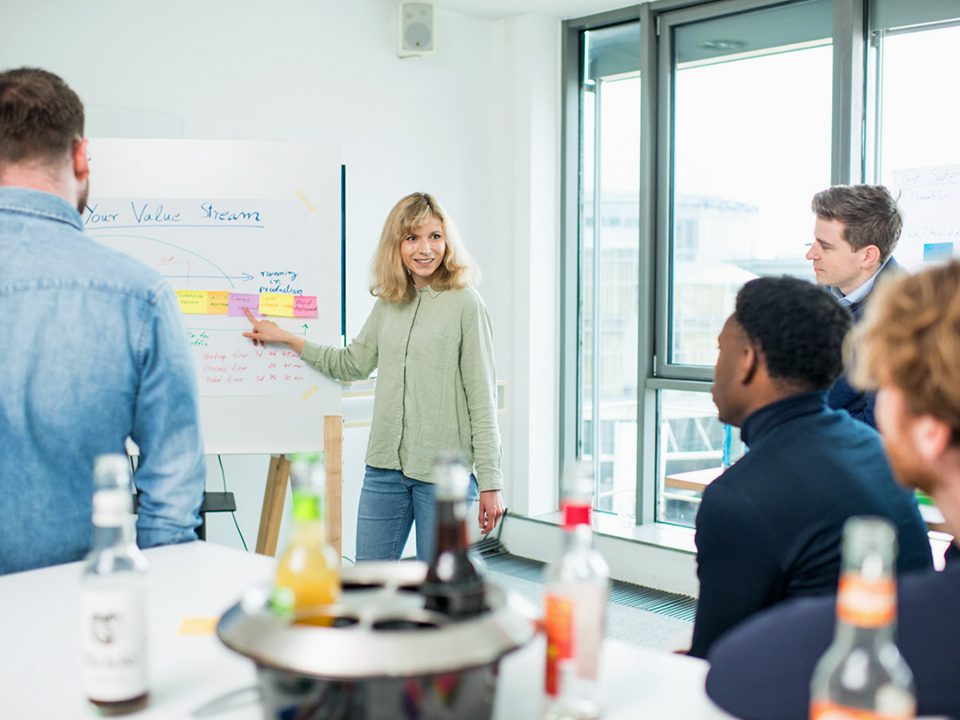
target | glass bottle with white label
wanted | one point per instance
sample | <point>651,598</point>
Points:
<point>113,597</point>
<point>862,675</point>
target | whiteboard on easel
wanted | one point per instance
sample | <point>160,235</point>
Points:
<point>234,225</point>
<point>929,198</point>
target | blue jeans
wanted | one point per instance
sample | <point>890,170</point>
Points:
<point>390,503</point>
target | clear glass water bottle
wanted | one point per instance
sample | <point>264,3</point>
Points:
<point>575,599</point>
<point>113,596</point>
<point>862,674</point>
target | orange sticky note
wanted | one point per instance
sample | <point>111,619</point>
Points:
<point>198,626</point>
<point>276,304</point>
<point>217,301</point>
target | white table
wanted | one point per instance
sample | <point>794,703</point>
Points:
<point>636,683</point>
<point>40,655</point>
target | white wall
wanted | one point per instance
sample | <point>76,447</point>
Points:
<point>533,59</point>
<point>294,70</point>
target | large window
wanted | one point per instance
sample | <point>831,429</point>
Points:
<point>609,276</point>
<point>751,145</point>
<point>703,132</point>
<point>914,122</point>
<point>748,128</point>
<point>917,115</point>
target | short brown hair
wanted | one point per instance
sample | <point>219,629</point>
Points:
<point>390,279</point>
<point>869,213</point>
<point>910,338</point>
<point>40,116</point>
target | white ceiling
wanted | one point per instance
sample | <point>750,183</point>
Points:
<point>562,9</point>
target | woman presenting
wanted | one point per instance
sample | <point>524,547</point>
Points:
<point>430,336</point>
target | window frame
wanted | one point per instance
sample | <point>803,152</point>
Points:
<point>930,18</point>
<point>851,161</point>
<point>572,48</point>
<point>841,146</point>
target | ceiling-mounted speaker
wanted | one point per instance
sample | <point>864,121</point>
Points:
<point>416,29</point>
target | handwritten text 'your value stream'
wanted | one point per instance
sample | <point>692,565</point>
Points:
<point>147,213</point>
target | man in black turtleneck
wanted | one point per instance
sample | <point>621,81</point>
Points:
<point>769,528</point>
<point>908,349</point>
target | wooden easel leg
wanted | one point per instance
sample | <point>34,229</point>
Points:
<point>333,451</point>
<point>274,495</point>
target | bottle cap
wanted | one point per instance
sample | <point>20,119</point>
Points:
<point>451,476</point>
<point>575,512</point>
<point>307,506</point>
<point>864,534</point>
<point>578,482</point>
<point>309,473</point>
<point>112,494</point>
<point>307,457</point>
<point>111,470</point>
<point>111,508</point>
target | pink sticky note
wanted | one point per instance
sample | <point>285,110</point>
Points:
<point>304,305</point>
<point>238,301</point>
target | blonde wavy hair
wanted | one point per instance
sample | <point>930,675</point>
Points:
<point>910,338</point>
<point>391,281</point>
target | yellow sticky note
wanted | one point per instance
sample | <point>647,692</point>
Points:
<point>276,304</point>
<point>197,626</point>
<point>310,393</point>
<point>217,302</point>
<point>193,302</point>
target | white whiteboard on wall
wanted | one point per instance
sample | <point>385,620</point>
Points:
<point>234,224</point>
<point>929,199</point>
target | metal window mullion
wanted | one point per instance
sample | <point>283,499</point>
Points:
<point>595,369</point>
<point>875,134</point>
<point>849,88</point>
<point>570,325</point>
<point>663,279</point>
<point>664,195</point>
<point>647,431</point>
<point>683,385</point>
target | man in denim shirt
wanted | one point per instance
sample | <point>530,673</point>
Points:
<point>93,349</point>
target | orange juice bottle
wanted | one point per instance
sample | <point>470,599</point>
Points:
<point>862,675</point>
<point>307,577</point>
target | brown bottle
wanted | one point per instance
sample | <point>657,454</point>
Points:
<point>454,584</point>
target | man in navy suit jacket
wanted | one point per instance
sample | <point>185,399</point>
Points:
<point>855,233</point>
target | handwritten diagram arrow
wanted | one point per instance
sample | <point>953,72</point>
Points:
<point>245,277</point>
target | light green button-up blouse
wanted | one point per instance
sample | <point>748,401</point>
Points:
<point>436,384</point>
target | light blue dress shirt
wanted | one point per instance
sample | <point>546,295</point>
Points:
<point>855,296</point>
<point>93,352</point>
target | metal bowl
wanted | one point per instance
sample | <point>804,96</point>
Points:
<point>383,655</point>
